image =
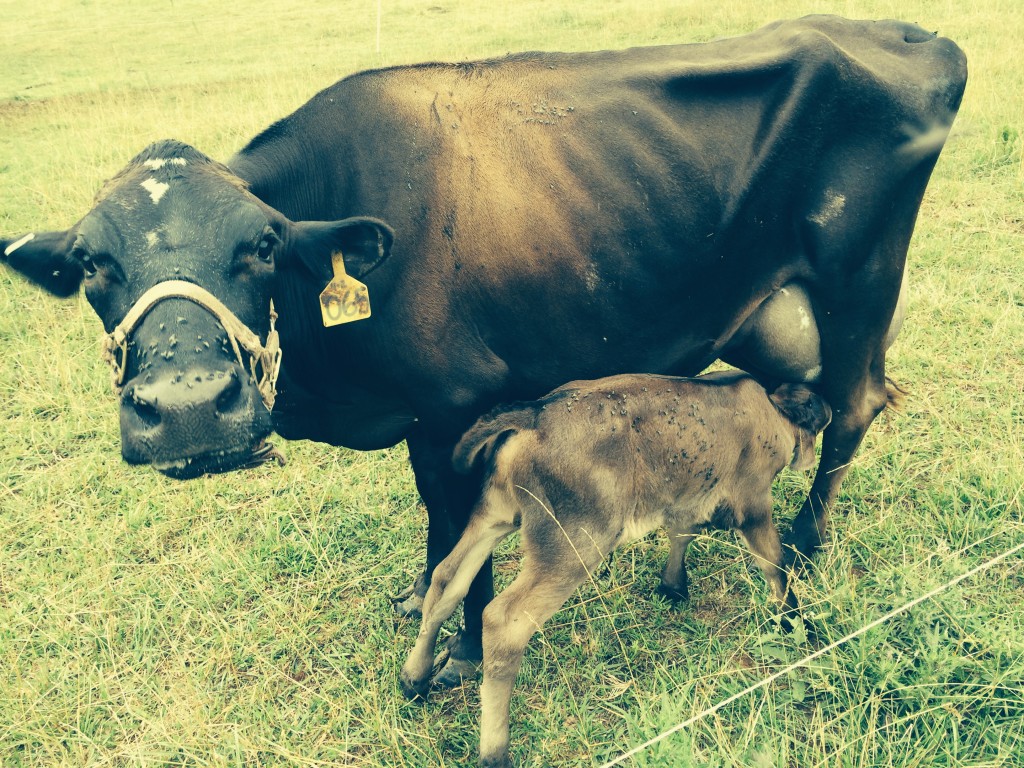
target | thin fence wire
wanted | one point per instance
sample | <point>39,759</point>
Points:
<point>811,657</point>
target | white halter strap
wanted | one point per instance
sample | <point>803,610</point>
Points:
<point>264,360</point>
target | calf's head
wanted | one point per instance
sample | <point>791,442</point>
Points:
<point>809,414</point>
<point>181,262</point>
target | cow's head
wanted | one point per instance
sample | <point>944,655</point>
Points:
<point>180,261</point>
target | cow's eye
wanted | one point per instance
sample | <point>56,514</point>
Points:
<point>86,260</point>
<point>88,266</point>
<point>265,249</point>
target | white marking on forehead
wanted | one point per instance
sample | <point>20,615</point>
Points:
<point>834,205</point>
<point>18,243</point>
<point>160,162</point>
<point>152,239</point>
<point>156,189</point>
<point>812,374</point>
<point>805,319</point>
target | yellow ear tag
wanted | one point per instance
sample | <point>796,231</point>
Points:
<point>345,299</point>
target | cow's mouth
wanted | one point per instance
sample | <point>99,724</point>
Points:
<point>220,461</point>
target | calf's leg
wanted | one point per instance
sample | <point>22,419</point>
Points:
<point>762,538</point>
<point>540,589</point>
<point>465,647</point>
<point>449,584</point>
<point>674,581</point>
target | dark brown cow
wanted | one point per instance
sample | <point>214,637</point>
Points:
<point>519,223</point>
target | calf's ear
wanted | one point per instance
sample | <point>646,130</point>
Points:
<point>803,407</point>
<point>45,259</point>
<point>803,451</point>
<point>365,243</point>
<point>809,413</point>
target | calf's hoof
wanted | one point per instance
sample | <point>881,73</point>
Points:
<point>414,689</point>
<point>496,761</point>
<point>789,622</point>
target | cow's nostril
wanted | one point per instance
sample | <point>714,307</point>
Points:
<point>146,410</point>
<point>231,396</point>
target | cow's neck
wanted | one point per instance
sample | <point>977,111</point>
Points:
<point>318,398</point>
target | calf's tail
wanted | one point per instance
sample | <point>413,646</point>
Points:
<point>483,439</point>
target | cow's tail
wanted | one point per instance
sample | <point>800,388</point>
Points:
<point>483,439</point>
<point>895,395</point>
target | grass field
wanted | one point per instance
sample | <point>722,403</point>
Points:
<point>244,620</point>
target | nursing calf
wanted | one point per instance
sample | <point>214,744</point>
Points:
<point>597,464</point>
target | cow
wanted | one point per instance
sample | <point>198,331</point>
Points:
<point>493,229</point>
<point>595,465</point>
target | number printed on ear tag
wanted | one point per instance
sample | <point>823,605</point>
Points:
<point>345,299</point>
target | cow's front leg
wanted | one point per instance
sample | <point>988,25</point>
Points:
<point>429,474</point>
<point>463,654</point>
<point>449,498</point>
<point>855,401</point>
<point>409,602</point>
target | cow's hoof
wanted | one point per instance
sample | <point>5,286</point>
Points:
<point>795,562</point>
<point>678,597</point>
<point>409,602</point>
<point>454,672</point>
<point>411,607</point>
<point>798,550</point>
<point>455,664</point>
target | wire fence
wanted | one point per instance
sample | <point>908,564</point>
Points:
<point>811,657</point>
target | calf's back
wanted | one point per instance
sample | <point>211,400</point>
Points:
<point>635,452</point>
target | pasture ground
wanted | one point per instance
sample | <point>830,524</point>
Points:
<point>244,620</point>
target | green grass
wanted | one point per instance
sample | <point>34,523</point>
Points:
<point>244,620</point>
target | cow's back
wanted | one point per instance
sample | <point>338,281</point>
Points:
<point>581,203</point>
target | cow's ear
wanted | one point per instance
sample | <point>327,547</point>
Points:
<point>45,259</point>
<point>364,243</point>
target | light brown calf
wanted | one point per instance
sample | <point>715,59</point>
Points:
<point>600,463</point>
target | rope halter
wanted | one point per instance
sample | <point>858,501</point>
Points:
<point>264,360</point>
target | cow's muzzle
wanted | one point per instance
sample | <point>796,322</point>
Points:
<point>197,420</point>
<point>264,360</point>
